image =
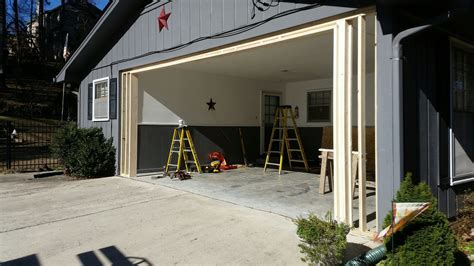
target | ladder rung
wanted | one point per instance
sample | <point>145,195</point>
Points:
<point>276,139</point>
<point>176,140</point>
<point>187,150</point>
<point>299,161</point>
<point>294,149</point>
<point>190,162</point>
<point>172,165</point>
<point>175,151</point>
<point>291,138</point>
<point>274,151</point>
<point>274,164</point>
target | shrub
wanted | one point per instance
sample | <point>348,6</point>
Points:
<point>323,241</point>
<point>427,239</point>
<point>84,152</point>
<point>64,142</point>
<point>464,223</point>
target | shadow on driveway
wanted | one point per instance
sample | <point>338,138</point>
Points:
<point>89,258</point>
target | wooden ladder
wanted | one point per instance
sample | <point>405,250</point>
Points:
<point>280,125</point>
<point>181,145</point>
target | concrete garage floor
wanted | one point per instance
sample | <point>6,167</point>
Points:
<point>291,194</point>
<point>119,221</point>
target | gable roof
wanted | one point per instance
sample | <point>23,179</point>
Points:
<point>117,18</point>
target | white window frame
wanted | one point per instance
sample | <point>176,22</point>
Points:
<point>329,122</point>
<point>94,82</point>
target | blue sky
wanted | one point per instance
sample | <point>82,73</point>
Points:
<point>54,3</point>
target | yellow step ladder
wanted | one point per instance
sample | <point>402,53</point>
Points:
<point>181,145</point>
<point>281,136</point>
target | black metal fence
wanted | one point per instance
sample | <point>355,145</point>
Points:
<point>25,145</point>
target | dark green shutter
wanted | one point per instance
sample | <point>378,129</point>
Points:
<point>113,99</point>
<point>89,101</point>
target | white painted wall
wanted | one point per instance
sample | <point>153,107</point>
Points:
<point>296,93</point>
<point>167,95</point>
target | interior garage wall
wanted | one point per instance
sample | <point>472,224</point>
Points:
<point>312,133</point>
<point>168,95</point>
<point>154,143</point>
<point>296,95</point>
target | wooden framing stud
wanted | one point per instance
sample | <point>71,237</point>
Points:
<point>361,32</point>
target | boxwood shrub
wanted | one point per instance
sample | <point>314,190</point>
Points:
<point>323,241</point>
<point>84,152</point>
<point>427,239</point>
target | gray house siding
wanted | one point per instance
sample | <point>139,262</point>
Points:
<point>427,116</point>
<point>388,173</point>
<point>424,112</point>
<point>109,128</point>
<point>143,44</point>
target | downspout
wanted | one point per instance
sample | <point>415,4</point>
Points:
<point>397,90</point>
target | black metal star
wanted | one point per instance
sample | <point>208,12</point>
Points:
<point>211,105</point>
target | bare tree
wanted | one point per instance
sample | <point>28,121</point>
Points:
<point>3,40</point>
<point>40,28</point>
<point>16,22</point>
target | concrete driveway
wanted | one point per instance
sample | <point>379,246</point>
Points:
<point>59,221</point>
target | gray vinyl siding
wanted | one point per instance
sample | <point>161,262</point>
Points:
<point>189,20</point>
<point>109,128</point>
<point>388,176</point>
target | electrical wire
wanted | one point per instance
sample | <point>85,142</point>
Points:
<point>224,34</point>
<point>262,6</point>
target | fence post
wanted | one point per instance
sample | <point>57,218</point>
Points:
<point>9,147</point>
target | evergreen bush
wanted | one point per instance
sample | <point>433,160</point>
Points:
<point>84,152</point>
<point>427,239</point>
<point>323,241</point>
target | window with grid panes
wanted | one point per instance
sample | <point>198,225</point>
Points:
<point>271,105</point>
<point>101,100</point>
<point>463,80</point>
<point>319,106</point>
<point>462,113</point>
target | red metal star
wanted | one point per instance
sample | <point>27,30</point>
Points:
<point>163,19</point>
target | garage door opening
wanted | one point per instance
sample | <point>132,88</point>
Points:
<point>247,85</point>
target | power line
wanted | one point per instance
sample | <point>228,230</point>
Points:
<point>225,34</point>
